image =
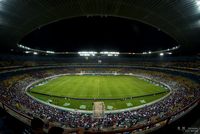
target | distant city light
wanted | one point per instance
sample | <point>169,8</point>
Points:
<point>161,54</point>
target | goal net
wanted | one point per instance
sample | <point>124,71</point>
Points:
<point>98,109</point>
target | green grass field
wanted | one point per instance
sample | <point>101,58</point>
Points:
<point>97,87</point>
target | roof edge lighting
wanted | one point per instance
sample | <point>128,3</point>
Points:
<point>93,53</point>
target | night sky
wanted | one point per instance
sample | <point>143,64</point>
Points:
<point>98,34</point>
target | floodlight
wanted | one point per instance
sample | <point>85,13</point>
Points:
<point>50,52</point>
<point>144,53</point>
<point>35,53</point>
<point>161,54</point>
<point>87,53</point>
<point>198,3</point>
<point>110,53</point>
<point>169,53</point>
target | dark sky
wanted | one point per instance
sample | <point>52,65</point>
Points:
<point>98,34</point>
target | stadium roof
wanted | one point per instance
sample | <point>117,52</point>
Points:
<point>178,18</point>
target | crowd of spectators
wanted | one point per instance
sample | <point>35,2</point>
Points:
<point>184,92</point>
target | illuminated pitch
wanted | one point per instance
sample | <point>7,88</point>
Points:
<point>117,92</point>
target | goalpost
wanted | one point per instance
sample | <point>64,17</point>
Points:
<point>98,109</point>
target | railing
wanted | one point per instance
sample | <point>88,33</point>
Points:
<point>17,114</point>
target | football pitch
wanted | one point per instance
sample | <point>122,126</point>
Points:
<point>79,92</point>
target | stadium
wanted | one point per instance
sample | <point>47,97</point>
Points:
<point>96,66</point>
